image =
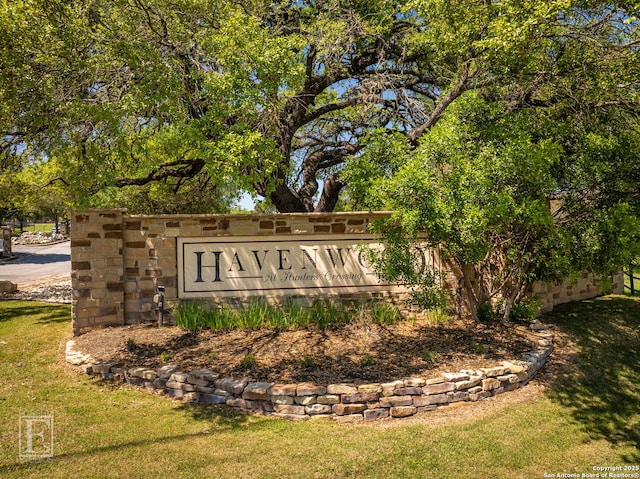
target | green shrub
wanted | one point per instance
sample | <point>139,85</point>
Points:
<point>131,345</point>
<point>525,311</point>
<point>430,356</point>
<point>486,313</point>
<point>255,316</point>
<point>220,318</point>
<point>383,313</point>
<point>328,313</point>
<point>293,316</point>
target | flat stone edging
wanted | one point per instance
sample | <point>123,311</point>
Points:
<point>343,402</point>
<point>34,245</point>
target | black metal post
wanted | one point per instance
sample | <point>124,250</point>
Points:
<point>159,300</point>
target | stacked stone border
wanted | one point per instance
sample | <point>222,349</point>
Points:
<point>343,402</point>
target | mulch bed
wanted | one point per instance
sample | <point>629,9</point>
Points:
<point>359,352</point>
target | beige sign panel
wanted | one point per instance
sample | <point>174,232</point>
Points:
<point>276,266</point>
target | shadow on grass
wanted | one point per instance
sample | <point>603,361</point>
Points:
<point>215,421</point>
<point>30,465</point>
<point>220,417</point>
<point>601,381</point>
<point>42,313</point>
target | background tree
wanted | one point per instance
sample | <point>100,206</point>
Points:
<point>530,173</point>
<point>508,199</point>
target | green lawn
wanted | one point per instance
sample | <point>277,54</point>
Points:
<point>588,418</point>
<point>42,227</point>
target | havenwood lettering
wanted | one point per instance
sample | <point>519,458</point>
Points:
<point>247,266</point>
<point>280,259</point>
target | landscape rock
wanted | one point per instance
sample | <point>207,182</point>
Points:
<point>414,382</point>
<point>37,237</point>
<point>439,388</point>
<point>538,326</point>
<point>232,386</point>
<point>350,418</point>
<point>370,388</point>
<point>179,377</point>
<point>328,399</point>
<point>348,409</point>
<point>374,414</point>
<point>289,409</point>
<point>56,291</point>
<point>306,400</point>
<point>402,411</point>
<point>283,400</point>
<point>165,372</point>
<point>310,389</point>
<point>204,374</point>
<point>455,377</point>
<point>316,409</point>
<point>257,391</point>
<point>394,401</point>
<point>8,286</point>
<point>283,390</point>
<point>344,388</point>
<point>359,398</point>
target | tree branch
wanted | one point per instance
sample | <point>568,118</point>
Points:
<point>189,169</point>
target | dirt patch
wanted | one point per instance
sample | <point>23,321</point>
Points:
<point>359,352</point>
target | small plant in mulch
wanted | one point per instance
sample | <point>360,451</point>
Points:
<point>213,357</point>
<point>367,360</point>
<point>307,362</point>
<point>166,356</point>
<point>130,345</point>
<point>429,356</point>
<point>476,347</point>
<point>249,362</point>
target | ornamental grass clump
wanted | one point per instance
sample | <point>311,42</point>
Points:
<point>322,314</point>
<point>190,316</point>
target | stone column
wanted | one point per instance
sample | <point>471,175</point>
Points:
<point>97,268</point>
<point>5,242</point>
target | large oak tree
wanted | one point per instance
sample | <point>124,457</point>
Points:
<point>275,97</point>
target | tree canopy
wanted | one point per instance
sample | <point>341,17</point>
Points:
<point>508,198</point>
<point>276,97</point>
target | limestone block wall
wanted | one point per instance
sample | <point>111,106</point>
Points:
<point>119,260</point>
<point>97,269</point>
<point>587,286</point>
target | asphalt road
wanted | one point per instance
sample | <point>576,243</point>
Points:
<point>33,263</point>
